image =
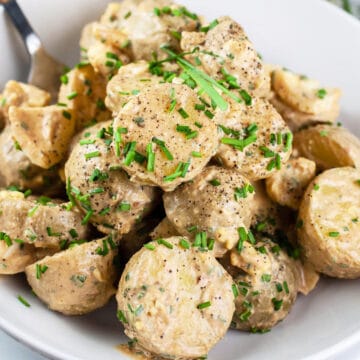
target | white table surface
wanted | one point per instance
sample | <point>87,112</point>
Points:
<point>10,349</point>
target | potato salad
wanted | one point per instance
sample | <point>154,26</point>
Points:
<point>180,174</point>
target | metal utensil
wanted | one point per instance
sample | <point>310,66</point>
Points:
<point>45,71</point>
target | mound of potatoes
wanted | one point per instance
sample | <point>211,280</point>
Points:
<point>177,172</point>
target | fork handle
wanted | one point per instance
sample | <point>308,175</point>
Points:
<point>17,17</point>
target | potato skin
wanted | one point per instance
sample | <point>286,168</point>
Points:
<point>159,296</point>
<point>329,214</point>
<point>286,187</point>
<point>76,281</point>
<point>329,146</point>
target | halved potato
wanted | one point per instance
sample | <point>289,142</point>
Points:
<point>328,146</point>
<point>330,218</point>
<point>304,94</point>
<point>19,94</point>
<point>78,280</point>
<point>287,186</point>
<point>44,133</point>
<point>83,91</point>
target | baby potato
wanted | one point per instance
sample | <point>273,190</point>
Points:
<point>106,59</point>
<point>43,134</point>
<point>83,92</point>
<point>171,290</point>
<point>266,285</point>
<point>329,214</point>
<point>328,146</point>
<point>287,186</point>
<point>305,95</point>
<point>16,169</point>
<point>255,139</point>
<point>145,30</point>
<point>32,229</point>
<point>225,49</point>
<point>19,94</point>
<point>217,202</point>
<point>164,127</point>
<point>100,188</point>
<point>130,80</point>
<point>39,221</point>
<point>78,280</point>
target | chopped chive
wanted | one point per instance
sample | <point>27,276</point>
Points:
<point>200,107</point>
<point>271,165</point>
<point>209,114</point>
<point>64,79</point>
<point>246,97</point>
<point>196,154</point>
<point>184,244</point>
<point>23,301</point>
<point>235,290</point>
<point>211,244</point>
<point>92,155</point>
<point>288,141</point>
<point>6,238</point>
<point>149,246</point>
<point>172,105</point>
<point>130,154</point>
<point>183,113</point>
<point>192,228</point>
<point>334,234</point>
<point>278,161</point>
<point>104,250</point>
<point>165,243</point>
<point>316,187</point>
<point>73,233</point>
<point>66,114</point>
<point>40,269</point>
<point>51,233</point>
<point>286,287</point>
<point>204,305</point>
<point>72,95</point>
<point>267,152</point>
<point>150,158</point>
<point>266,278</point>
<point>163,148</point>
<point>279,138</point>
<point>215,182</point>
<point>86,142</point>
<point>99,190</point>
<point>321,93</point>
<point>32,211</point>
<point>87,217</point>
<point>121,317</point>
<point>277,304</point>
<point>242,238</point>
<point>124,206</point>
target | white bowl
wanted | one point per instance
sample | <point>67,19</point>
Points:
<point>308,36</point>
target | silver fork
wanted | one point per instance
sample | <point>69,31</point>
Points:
<point>44,71</point>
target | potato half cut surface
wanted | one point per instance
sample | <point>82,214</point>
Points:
<point>330,229</point>
<point>329,146</point>
<point>175,299</point>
